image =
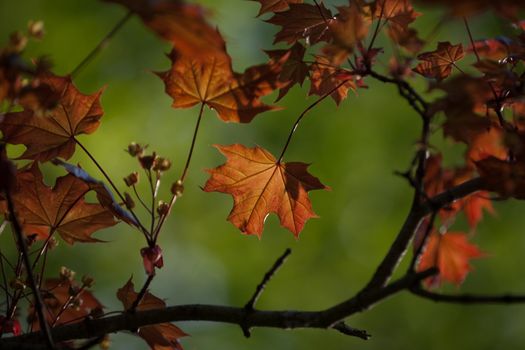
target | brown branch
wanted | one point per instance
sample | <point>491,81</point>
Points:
<point>354,332</point>
<point>267,277</point>
<point>468,298</point>
<point>417,212</point>
<point>287,319</point>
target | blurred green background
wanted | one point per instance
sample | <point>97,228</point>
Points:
<point>354,149</point>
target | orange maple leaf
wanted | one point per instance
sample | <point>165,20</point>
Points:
<point>162,336</point>
<point>184,25</point>
<point>235,97</point>
<point>53,134</point>
<point>438,64</point>
<point>450,253</point>
<point>43,210</point>
<point>261,185</point>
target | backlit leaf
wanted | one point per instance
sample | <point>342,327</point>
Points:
<point>43,210</point>
<point>451,254</point>
<point>235,97</point>
<point>260,185</point>
<point>53,134</point>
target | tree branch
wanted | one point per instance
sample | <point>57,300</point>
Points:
<point>417,213</point>
<point>267,277</point>
<point>468,298</point>
<point>287,319</point>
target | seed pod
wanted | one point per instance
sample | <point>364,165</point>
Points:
<point>132,179</point>
<point>177,188</point>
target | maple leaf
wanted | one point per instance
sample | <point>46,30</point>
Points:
<point>495,49</point>
<point>184,25</point>
<point>407,39</point>
<point>235,97</point>
<point>53,134</point>
<point>57,292</point>
<point>473,206</point>
<point>438,64</point>
<point>325,77</point>
<point>43,210</point>
<point>450,253</point>
<point>349,26</point>
<point>504,177</point>
<point>275,5</point>
<point>399,13</point>
<point>261,185</point>
<point>303,21</point>
<point>163,336</point>
<point>294,70</point>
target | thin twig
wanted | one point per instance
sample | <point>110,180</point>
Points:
<point>376,30</point>
<point>267,277</point>
<point>102,44</point>
<point>250,305</point>
<point>174,197</point>
<point>142,293</point>
<point>22,244</point>
<point>301,116</point>
<point>101,169</point>
<point>468,298</point>
<point>354,332</point>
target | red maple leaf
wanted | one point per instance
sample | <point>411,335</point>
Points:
<point>303,21</point>
<point>294,69</point>
<point>438,64</point>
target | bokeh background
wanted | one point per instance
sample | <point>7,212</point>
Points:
<point>354,149</point>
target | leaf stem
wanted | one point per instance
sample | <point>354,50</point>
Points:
<point>190,153</point>
<point>182,177</point>
<point>376,30</point>
<point>101,169</point>
<point>102,44</point>
<point>301,116</point>
<point>142,293</point>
